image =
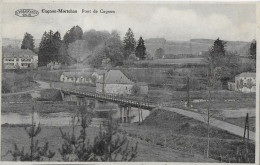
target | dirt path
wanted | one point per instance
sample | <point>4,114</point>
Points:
<point>236,130</point>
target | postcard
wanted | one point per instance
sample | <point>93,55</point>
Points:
<point>127,81</point>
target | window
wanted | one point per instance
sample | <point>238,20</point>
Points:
<point>9,59</point>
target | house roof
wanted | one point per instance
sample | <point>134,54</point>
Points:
<point>247,74</point>
<point>77,74</point>
<point>16,52</point>
<point>115,77</point>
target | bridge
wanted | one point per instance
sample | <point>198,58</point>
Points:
<point>125,104</point>
<point>123,101</point>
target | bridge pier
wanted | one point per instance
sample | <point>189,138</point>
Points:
<point>62,95</point>
<point>81,101</point>
<point>120,117</point>
<point>124,114</point>
<point>127,113</point>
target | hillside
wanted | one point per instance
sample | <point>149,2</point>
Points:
<point>194,46</point>
<point>17,42</point>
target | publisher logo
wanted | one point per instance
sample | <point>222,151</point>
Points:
<point>26,13</point>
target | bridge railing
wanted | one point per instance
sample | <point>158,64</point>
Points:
<point>111,97</point>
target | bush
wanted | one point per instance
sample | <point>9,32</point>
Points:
<point>107,146</point>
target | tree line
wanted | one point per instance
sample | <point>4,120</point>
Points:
<point>90,47</point>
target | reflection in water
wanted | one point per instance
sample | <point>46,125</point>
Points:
<point>51,119</point>
<point>60,119</point>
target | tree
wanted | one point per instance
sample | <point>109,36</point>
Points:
<point>217,53</point>
<point>78,148</point>
<point>28,42</point>
<point>214,59</point>
<point>97,56</point>
<point>75,33</point>
<point>140,50</point>
<point>159,53</point>
<point>129,43</point>
<point>36,152</point>
<point>111,49</point>
<point>228,62</point>
<point>107,146</point>
<point>114,50</point>
<point>95,38</point>
<point>49,50</point>
<point>252,49</point>
<point>78,50</point>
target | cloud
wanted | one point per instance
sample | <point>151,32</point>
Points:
<point>146,21</point>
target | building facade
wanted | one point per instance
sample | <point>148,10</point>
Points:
<point>245,82</point>
<point>15,58</point>
<point>77,77</point>
<point>116,82</point>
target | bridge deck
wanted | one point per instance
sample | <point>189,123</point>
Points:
<point>111,98</point>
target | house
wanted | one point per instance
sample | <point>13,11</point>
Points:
<point>77,77</point>
<point>245,82</point>
<point>116,82</point>
<point>16,58</point>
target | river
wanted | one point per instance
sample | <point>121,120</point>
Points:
<point>56,119</point>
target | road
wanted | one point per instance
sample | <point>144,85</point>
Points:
<point>236,130</point>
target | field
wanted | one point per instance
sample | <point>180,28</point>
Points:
<point>222,99</point>
<point>194,46</point>
<point>185,134</point>
<point>174,61</point>
<point>146,151</point>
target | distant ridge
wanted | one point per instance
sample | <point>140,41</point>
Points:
<point>17,42</point>
<point>193,46</point>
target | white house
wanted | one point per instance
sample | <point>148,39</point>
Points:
<point>77,77</point>
<point>245,82</point>
<point>15,58</point>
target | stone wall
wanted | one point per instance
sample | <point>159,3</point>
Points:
<point>124,89</point>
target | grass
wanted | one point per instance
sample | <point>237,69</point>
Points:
<point>17,98</point>
<point>187,135</point>
<point>241,122</point>
<point>42,107</point>
<point>146,151</point>
<point>17,81</point>
<point>222,99</point>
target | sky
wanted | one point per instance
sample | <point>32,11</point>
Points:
<point>171,21</point>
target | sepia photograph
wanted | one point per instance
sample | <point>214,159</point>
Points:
<point>129,82</point>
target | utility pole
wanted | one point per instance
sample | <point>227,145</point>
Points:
<point>246,131</point>
<point>103,85</point>
<point>188,92</point>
